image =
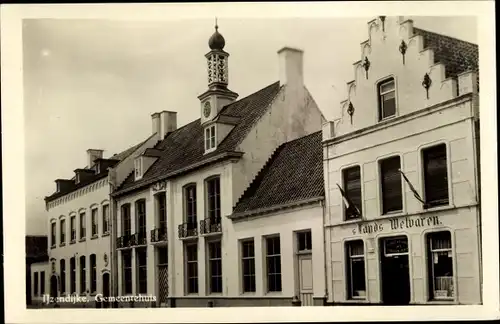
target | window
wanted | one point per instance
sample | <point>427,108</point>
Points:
<point>387,98</point>
<point>215,267</point>
<point>42,282</point>
<point>138,168</point>
<point>273,264</point>
<point>35,283</point>
<point>93,274</point>
<point>162,256</point>
<point>248,265</point>
<point>105,219</point>
<point>356,285</point>
<point>392,193</point>
<point>304,241</point>
<point>162,210</point>
<point>440,259</point>
<point>53,234</point>
<point>62,266</point>
<point>142,271</point>
<point>83,274</point>
<point>73,228</point>
<point>352,188</point>
<point>213,200</point>
<point>127,225</point>
<point>127,271</point>
<point>94,222</point>
<point>190,198</point>
<point>62,225</point>
<point>82,225</point>
<point>210,138</point>
<point>191,257</point>
<point>72,275</point>
<point>435,176</point>
<point>140,210</point>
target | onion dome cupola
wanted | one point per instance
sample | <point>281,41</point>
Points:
<point>217,95</point>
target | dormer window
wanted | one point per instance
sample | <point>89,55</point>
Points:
<point>77,178</point>
<point>387,98</point>
<point>138,168</point>
<point>210,138</point>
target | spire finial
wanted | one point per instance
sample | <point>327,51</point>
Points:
<point>216,27</point>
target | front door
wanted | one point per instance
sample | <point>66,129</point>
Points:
<point>305,279</point>
<point>395,271</point>
<point>53,286</point>
<point>105,287</point>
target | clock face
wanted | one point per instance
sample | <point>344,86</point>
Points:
<point>207,109</point>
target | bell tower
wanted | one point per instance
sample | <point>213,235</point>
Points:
<point>218,95</point>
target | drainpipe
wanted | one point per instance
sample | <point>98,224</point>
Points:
<point>113,224</point>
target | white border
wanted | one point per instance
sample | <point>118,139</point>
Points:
<point>13,158</point>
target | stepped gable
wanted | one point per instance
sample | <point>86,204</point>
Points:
<point>184,148</point>
<point>294,173</point>
<point>104,173</point>
<point>428,69</point>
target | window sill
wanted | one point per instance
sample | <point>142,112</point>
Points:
<point>94,237</point>
<point>82,239</point>
<point>450,301</point>
<point>394,213</point>
<point>383,119</point>
<point>274,294</point>
<point>53,246</point>
<point>72,242</point>
<point>62,244</point>
<point>105,234</point>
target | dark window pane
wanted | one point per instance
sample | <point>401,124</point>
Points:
<point>392,197</point>
<point>435,176</point>
<point>356,283</point>
<point>352,188</point>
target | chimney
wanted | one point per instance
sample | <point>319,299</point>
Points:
<point>156,123</point>
<point>291,66</point>
<point>168,122</point>
<point>92,155</point>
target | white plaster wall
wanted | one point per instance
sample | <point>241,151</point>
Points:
<point>94,195</point>
<point>462,223</point>
<point>175,204</point>
<point>292,114</point>
<point>284,223</point>
<point>382,50</point>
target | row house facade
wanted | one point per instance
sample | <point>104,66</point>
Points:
<point>401,167</point>
<point>179,234</point>
<point>79,226</point>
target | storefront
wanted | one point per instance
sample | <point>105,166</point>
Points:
<point>428,258</point>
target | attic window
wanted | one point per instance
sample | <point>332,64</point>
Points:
<point>209,138</point>
<point>138,168</point>
<point>387,98</point>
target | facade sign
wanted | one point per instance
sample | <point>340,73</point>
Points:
<point>396,224</point>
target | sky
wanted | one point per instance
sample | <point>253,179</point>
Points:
<point>95,83</point>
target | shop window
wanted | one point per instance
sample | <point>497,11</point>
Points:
<point>440,259</point>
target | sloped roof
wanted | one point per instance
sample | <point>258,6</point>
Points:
<point>457,55</point>
<point>184,148</point>
<point>36,247</point>
<point>119,156</point>
<point>294,173</point>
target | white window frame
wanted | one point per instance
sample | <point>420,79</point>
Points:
<point>210,139</point>
<point>210,275</point>
<point>381,94</point>
<point>138,168</point>
<point>94,212</point>
<point>186,267</point>
<point>244,258</point>
<point>72,229</point>
<point>53,233</point>
<point>351,257</point>
<point>430,276</point>
<point>267,259</point>
<point>105,219</point>
<point>62,231</point>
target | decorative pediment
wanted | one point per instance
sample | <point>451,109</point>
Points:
<point>159,186</point>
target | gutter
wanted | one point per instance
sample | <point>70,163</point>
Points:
<point>267,210</point>
<point>222,156</point>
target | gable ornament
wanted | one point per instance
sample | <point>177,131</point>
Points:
<point>382,19</point>
<point>350,110</point>
<point>159,186</point>
<point>426,83</point>
<point>366,66</point>
<point>402,49</point>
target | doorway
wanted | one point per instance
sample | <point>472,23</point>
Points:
<point>395,271</point>
<point>105,288</point>
<point>305,279</point>
<point>53,286</point>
